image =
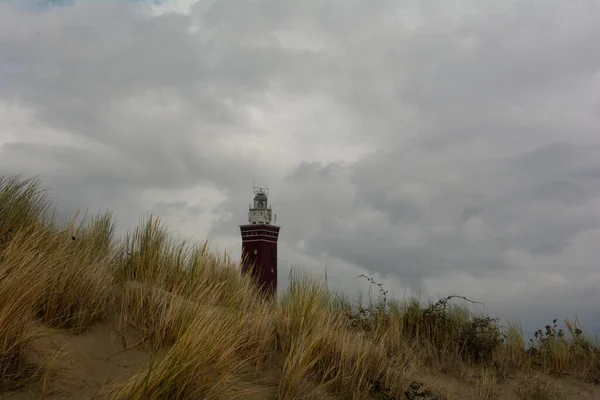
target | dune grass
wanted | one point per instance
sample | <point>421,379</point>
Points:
<point>209,329</point>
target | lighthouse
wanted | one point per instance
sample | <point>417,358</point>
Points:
<point>259,243</point>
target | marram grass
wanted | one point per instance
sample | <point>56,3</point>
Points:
<point>210,333</point>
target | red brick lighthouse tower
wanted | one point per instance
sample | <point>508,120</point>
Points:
<point>259,243</point>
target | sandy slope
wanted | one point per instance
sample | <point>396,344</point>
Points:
<point>90,361</point>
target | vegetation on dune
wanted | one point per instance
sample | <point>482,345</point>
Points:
<point>209,330</point>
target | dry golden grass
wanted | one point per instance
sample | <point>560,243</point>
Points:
<point>208,333</point>
<point>21,285</point>
<point>206,361</point>
<point>486,384</point>
<point>539,387</point>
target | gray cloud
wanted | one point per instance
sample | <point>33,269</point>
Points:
<point>441,149</point>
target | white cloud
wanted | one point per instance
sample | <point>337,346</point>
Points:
<point>439,148</point>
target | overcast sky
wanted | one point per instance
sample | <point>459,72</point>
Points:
<point>439,147</point>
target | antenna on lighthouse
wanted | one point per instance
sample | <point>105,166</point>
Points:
<point>260,190</point>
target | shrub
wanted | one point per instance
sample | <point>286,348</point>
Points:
<point>481,338</point>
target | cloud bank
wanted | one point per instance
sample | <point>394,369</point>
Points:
<point>440,149</point>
